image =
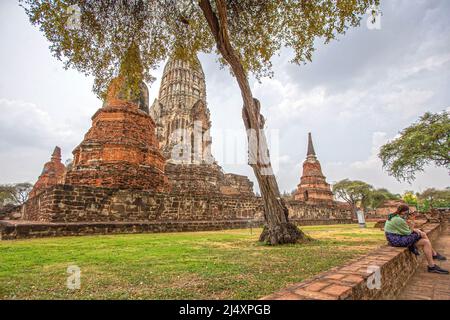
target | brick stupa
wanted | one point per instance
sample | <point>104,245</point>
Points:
<point>313,187</point>
<point>120,150</point>
<point>52,174</point>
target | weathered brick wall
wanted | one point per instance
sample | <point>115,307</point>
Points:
<point>207,179</point>
<point>40,206</point>
<point>306,211</point>
<point>10,212</point>
<point>120,150</point>
<point>198,178</point>
<point>65,203</point>
<point>240,183</point>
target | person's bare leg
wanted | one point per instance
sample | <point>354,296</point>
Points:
<point>427,249</point>
<point>432,250</point>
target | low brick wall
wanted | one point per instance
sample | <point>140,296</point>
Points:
<point>350,281</point>
<point>20,230</point>
<point>319,222</point>
<point>14,229</point>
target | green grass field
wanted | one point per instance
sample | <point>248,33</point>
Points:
<point>204,265</point>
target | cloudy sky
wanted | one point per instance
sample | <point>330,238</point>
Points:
<point>358,93</point>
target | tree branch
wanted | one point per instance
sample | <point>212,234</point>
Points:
<point>219,28</point>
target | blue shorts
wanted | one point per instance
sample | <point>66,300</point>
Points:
<point>397,240</point>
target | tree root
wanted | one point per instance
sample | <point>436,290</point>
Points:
<point>283,234</point>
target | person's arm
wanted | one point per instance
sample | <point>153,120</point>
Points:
<point>402,227</point>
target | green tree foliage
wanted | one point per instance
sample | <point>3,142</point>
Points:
<point>378,196</point>
<point>433,198</point>
<point>410,198</point>
<point>257,29</point>
<point>5,195</point>
<point>353,192</point>
<point>424,142</point>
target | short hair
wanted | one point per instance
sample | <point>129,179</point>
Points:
<point>402,208</point>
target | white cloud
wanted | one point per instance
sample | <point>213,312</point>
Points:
<point>373,163</point>
<point>29,135</point>
<point>25,123</point>
<point>406,102</point>
<point>370,170</point>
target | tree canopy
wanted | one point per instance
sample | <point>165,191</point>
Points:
<point>359,193</point>
<point>378,196</point>
<point>257,31</point>
<point>353,192</point>
<point>425,142</point>
<point>434,198</point>
<point>410,198</point>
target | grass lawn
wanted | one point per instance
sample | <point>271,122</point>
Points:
<point>227,264</point>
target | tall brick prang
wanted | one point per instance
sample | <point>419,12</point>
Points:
<point>181,113</point>
<point>120,150</point>
<point>313,186</point>
<point>183,128</point>
<point>52,174</point>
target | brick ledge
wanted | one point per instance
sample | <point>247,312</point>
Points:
<point>20,229</point>
<point>349,282</point>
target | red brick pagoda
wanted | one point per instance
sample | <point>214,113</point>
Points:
<point>52,174</point>
<point>120,150</point>
<point>313,187</point>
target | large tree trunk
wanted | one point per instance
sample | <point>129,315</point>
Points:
<point>278,229</point>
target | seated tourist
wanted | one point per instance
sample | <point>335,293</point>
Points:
<point>399,234</point>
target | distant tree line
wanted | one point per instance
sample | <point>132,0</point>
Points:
<point>14,194</point>
<point>429,199</point>
<point>360,194</point>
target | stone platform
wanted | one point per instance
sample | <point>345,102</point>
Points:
<point>30,229</point>
<point>19,229</point>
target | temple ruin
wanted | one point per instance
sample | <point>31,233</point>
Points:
<point>120,149</point>
<point>183,128</point>
<point>141,169</point>
<point>313,187</point>
<point>52,174</point>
